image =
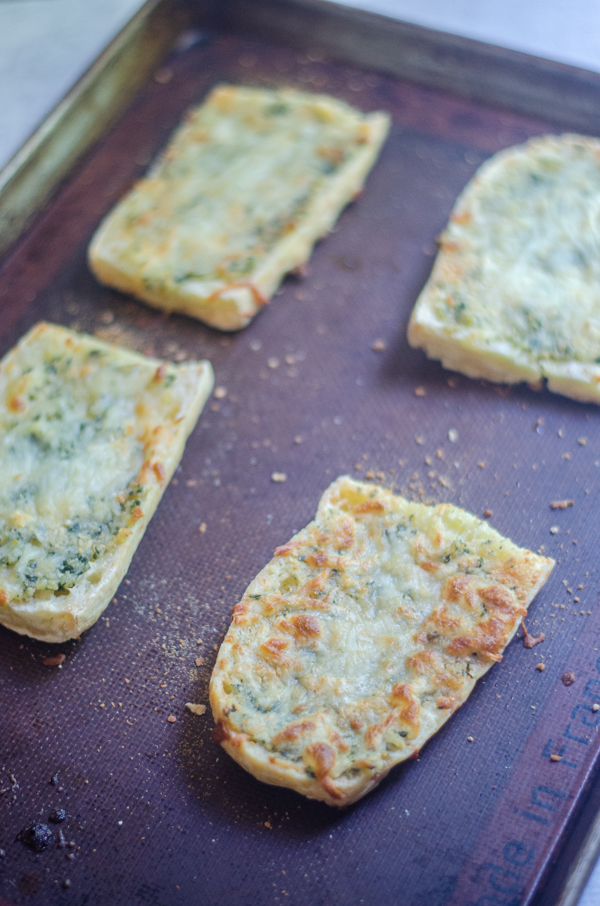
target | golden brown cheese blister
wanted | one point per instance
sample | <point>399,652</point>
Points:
<point>90,435</point>
<point>362,636</point>
<point>514,294</point>
<point>247,184</point>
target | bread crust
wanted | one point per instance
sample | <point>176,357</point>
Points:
<point>359,639</point>
<point>159,404</point>
<point>336,146</point>
<point>514,294</point>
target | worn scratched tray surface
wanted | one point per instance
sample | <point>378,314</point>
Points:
<point>158,813</point>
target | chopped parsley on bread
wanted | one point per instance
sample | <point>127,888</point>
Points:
<point>361,637</point>
<point>247,184</point>
<point>90,435</point>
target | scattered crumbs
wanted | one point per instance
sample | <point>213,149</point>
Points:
<point>378,346</point>
<point>199,710</point>
<point>530,641</point>
<point>469,739</point>
<point>220,392</point>
<point>453,435</point>
<point>171,719</point>
<point>540,667</point>
<point>191,483</point>
<point>420,391</point>
<point>582,441</point>
<point>488,513</point>
<point>566,456</point>
<point>420,440</point>
<point>452,382</point>
<point>56,660</point>
<point>561,504</point>
<point>202,528</point>
<point>561,432</point>
<point>255,345</point>
<point>555,758</point>
<point>66,884</point>
<point>595,707</point>
<point>273,362</point>
<point>278,477</point>
<point>199,661</point>
<point>268,824</point>
<point>481,464</point>
<point>439,453</point>
<point>298,439</point>
<point>554,529</point>
<point>568,678</point>
<point>36,837</point>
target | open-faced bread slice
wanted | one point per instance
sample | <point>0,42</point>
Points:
<point>90,434</point>
<point>362,636</point>
<point>515,290</point>
<point>245,187</point>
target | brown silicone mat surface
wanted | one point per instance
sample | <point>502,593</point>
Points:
<point>160,815</point>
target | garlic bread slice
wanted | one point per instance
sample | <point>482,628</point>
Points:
<point>514,294</point>
<point>248,183</point>
<point>90,435</point>
<point>362,636</point>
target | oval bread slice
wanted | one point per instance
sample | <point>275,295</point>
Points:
<point>514,294</point>
<point>362,636</point>
<point>90,435</point>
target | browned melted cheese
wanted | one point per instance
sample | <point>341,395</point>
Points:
<point>362,635</point>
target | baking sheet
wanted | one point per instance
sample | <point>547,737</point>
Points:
<point>158,813</point>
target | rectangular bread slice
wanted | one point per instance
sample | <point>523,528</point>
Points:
<point>247,184</point>
<point>359,639</point>
<point>90,435</point>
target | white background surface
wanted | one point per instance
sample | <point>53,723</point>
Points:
<point>46,45</point>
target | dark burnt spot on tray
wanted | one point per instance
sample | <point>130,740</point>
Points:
<point>35,836</point>
<point>568,678</point>
<point>29,884</point>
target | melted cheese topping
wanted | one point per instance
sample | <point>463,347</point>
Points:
<point>362,635</point>
<point>83,431</point>
<point>238,179</point>
<point>518,275</point>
